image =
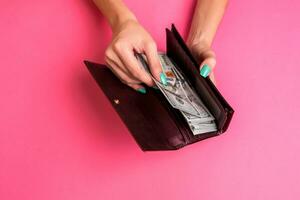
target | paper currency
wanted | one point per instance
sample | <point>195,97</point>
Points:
<point>181,96</point>
<point>177,101</point>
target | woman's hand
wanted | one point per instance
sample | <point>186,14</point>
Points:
<point>206,19</point>
<point>129,38</point>
<point>203,53</point>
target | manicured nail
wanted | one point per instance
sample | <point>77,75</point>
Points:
<point>142,90</point>
<point>205,70</point>
<point>163,78</point>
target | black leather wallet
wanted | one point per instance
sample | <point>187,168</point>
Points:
<point>152,121</point>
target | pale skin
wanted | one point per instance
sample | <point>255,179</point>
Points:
<point>129,37</point>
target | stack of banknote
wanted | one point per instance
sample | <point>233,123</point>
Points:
<point>181,96</point>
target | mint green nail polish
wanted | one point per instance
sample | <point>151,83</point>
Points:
<point>142,90</point>
<point>163,78</point>
<point>205,70</point>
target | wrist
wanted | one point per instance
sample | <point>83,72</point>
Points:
<point>121,18</point>
<point>197,46</point>
<point>198,40</point>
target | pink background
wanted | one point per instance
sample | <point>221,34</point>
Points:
<point>61,139</point>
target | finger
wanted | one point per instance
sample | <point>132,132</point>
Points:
<point>112,57</point>
<point>113,60</point>
<point>207,65</point>
<point>124,78</point>
<point>138,87</point>
<point>154,63</point>
<point>127,57</point>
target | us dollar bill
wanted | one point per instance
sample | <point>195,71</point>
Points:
<point>177,101</point>
<point>181,96</point>
<point>203,128</point>
<point>173,93</point>
<point>183,89</point>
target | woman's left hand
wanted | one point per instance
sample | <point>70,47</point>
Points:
<point>207,57</point>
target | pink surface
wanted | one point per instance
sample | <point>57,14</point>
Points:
<point>61,139</point>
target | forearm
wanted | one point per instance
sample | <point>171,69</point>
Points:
<point>206,19</point>
<point>115,11</point>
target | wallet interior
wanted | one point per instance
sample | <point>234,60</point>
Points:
<point>206,90</point>
<point>153,122</point>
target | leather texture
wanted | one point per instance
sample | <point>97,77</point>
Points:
<point>152,121</point>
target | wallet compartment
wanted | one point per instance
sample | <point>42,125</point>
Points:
<point>211,97</point>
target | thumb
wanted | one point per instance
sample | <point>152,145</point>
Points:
<point>208,64</point>
<point>154,63</point>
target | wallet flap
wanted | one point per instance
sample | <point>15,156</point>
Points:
<point>146,115</point>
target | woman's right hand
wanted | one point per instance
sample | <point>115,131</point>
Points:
<point>130,38</point>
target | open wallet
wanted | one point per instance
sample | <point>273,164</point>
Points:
<point>150,118</point>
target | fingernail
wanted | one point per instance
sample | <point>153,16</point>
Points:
<point>163,78</point>
<point>205,70</point>
<point>142,90</point>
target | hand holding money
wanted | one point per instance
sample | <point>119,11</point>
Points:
<point>181,96</point>
<point>128,38</point>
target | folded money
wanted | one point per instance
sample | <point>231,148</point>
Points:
<point>181,96</point>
